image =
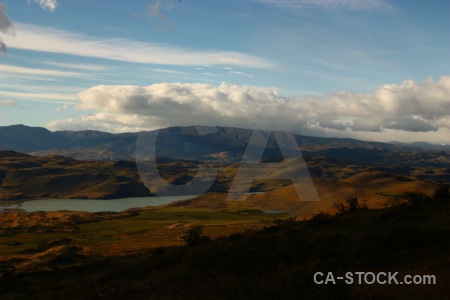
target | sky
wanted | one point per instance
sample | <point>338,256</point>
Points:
<point>366,69</point>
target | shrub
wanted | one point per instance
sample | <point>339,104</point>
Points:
<point>340,207</point>
<point>284,222</point>
<point>415,198</point>
<point>320,218</point>
<point>442,193</point>
<point>194,235</point>
<point>352,204</point>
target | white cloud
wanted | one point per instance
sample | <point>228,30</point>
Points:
<point>41,97</point>
<point>15,83</point>
<point>59,109</point>
<point>378,5</point>
<point>47,39</point>
<point>241,73</point>
<point>409,107</point>
<point>9,69</point>
<point>85,67</point>
<point>47,4</point>
<point>167,71</point>
<point>102,122</point>
<point>7,103</point>
<point>6,26</point>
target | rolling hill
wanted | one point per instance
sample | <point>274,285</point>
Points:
<point>93,164</point>
<point>24,176</point>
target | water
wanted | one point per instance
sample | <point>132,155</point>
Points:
<point>94,205</point>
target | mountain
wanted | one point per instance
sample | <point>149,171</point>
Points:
<point>212,144</point>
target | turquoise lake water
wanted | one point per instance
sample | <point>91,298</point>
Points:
<point>93,205</point>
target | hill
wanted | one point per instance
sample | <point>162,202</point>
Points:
<point>374,189</point>
<point>28,177</point>
<point>277,262</point>
<point>23,176</point>
<point>211,144</point>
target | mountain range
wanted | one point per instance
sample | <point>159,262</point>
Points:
<point>99,165</point>
<point>213,144</point>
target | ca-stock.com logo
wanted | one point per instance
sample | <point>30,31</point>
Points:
<point>151,149</point>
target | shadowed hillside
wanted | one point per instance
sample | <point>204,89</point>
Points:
<point>277,262</point>
<point>27,177</point>
<point>34,177</point>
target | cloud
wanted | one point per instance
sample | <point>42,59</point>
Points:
<point>409,107</point>
<point>6,27</point>
<point>7,103</point>
<point>85,67</point>
<point>3,49</point>
<point>59,109</point>
<point>9,69</point>
<point>154,9</point>
<point>167,71</point>
<point>241,73</point>
<point>42,97</point>
<point>355,5</point>
<point>66,42</point>
<point>47,4</point>
<point>102,122</point>
<point>411,123</point>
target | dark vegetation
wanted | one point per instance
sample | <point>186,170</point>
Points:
<point>277,262</point>
<point>352,204</point>
<point>440,194</point>
<point>194,236</point>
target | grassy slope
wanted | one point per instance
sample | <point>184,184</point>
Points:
<point>275,263</point>
<point>24,235</point>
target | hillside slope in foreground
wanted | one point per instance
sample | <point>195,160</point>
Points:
<point>276,262</point>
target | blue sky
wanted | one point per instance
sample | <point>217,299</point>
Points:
<point>368,69</point>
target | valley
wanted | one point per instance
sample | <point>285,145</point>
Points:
<point>150,240</point>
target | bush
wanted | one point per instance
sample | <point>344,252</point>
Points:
<point>194,235</point>
<point>320,218</point>
<point>340,207</point>
<point>416,198</point>
<point>441,193</point>
<point>352,204</point>
<point>284,222</point>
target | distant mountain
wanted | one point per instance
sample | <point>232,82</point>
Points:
<point>215,144</point>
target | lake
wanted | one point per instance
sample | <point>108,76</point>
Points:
<point>91,205</point>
